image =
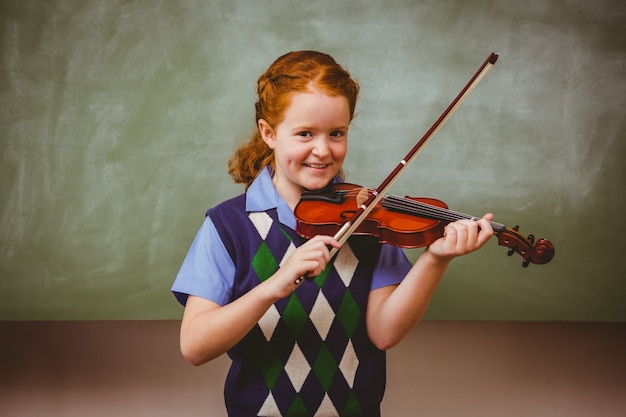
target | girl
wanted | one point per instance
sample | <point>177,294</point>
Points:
<point>302,348</point>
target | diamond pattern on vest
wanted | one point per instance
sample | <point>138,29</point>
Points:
<point>325,367</point>
<point>264,263</point>
<point>297,314</point>
<point>348,313</point>
<point>346,264</point>
<point>297,368</point>
<point>269,408</point>
<point>322,315</point>
<point>349,364</point>
<point>318,362</point>
<point>269,321</point>
<point>262,221</point>
<point>271,367</point>
<point>326,408</point>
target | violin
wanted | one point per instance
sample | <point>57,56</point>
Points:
<point>407,222</point>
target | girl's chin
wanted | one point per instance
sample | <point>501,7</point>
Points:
<point>316,185</point>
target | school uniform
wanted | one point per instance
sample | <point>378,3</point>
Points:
<point>310,354</point>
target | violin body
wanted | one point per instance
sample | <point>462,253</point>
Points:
<point>408,222</point>
<point>325,211</point>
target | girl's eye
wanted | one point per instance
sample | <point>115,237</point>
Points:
<point>305,134</point>
<point>337,134</point>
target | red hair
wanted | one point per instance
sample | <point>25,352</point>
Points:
<point>294,72</point>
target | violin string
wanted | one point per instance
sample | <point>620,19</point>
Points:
<point>416,207</point>
<point>413,207</point>
<point>424,209</point>
<point>419,208</point>
<point>428,210</point>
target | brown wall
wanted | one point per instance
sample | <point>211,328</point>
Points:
<point>133,368</point>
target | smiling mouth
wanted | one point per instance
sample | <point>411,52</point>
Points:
<point>317,166</point>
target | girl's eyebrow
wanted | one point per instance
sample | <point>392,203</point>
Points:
<point>310,127</point>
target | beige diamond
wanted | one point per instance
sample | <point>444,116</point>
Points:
<point>322,315</point>
<point>297,368</point>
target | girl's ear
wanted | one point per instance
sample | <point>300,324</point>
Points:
<point>267,133</point>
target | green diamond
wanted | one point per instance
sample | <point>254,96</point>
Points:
<point>264,263</point>
<point>348,313</point>
<point>325,367</point>
<point>298,408</point>
<point>294,315</point>
<point>270,366</point>
<point>353,408</point>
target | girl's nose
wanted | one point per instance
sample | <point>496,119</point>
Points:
<point>321,147</point>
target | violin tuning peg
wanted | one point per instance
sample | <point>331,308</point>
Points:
<point>531,239</point>
<point>511,251</point>
<point>525,263</point>
<point>516,228</point>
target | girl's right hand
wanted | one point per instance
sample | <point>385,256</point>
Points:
<point>208,329</point>
<point>309,260</point>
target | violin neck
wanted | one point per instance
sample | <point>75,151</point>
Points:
<point>418,208</point>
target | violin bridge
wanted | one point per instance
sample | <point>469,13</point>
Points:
<point>362,197</point>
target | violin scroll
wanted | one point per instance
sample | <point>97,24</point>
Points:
<point>539,252</point>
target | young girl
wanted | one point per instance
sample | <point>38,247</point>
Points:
<point>302,347</point>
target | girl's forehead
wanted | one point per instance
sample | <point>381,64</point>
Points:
<point>308,104</point>
<point>315,98</point>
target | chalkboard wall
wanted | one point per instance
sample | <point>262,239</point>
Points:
<point>118,118</point>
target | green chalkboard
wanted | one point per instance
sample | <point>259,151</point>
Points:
<point>118,118</point>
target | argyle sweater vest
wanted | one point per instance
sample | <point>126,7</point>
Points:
<point>310,354</point>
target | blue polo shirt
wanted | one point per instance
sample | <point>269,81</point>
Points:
<point>208,271</point>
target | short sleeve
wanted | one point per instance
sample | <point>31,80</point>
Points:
<point>391,267</point>
<point>207,271</point>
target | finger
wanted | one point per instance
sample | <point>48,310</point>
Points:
<point>318,252</point>
<point>451,236</point>
<point>313,256</point>
<point>312,269</point>
<point>324,244</point>
<point>485,226</point>
<point>472,235</point>
<point>463,235</point>
<point>469,235</point>
<point>328,240</point>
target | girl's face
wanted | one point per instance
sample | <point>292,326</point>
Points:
<point>310,143</point>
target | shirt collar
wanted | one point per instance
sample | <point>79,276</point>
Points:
<point>263,196</point>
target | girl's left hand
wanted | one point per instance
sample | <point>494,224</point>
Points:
<point>462,237</point>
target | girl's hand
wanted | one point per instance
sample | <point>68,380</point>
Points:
<point>310,260</point>
<point>462,237</point>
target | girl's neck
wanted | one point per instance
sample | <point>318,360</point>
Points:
<point>290,195</point>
